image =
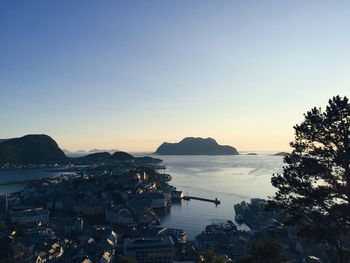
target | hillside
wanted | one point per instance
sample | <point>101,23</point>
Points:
<point>42,149</point>
<point>30,149</point>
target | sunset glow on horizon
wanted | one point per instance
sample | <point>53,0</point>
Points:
<point>130,75</point>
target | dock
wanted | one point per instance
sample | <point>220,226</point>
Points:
<point>215,201</point>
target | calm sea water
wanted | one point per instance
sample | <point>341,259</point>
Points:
<point>11,180</point>
<point>231,179</point>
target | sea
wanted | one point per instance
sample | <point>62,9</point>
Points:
<point>230,179</point>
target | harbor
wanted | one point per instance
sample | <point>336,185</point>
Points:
<point>215,201</point>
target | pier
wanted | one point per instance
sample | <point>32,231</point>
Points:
<point>215,201</point>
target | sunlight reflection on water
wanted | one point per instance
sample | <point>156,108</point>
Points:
<point>231,179</point>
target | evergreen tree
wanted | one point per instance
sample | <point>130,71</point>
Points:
<point>211,257</point>
<point>265,250</point>
<point>314,187</point>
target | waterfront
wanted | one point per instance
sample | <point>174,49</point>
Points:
<point>231,179</point>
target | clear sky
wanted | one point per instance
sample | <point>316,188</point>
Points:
<point>132,74</point>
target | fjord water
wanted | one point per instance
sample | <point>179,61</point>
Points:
<point>15,180</point>
<point>231,179</point>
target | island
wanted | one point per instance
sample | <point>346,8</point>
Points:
<point>195,146</point>
<point>39,150</point>
<point>280,154</point>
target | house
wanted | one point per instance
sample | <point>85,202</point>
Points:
<point>34,235</point>
<point>153,249</point>
<point>66,225</point>
<point>106,257</point>
<point>50,254</point>
<point>156,199</point>
<point>141,176</point>
<point>93,207</point>
<point>177,195</point>
<point>113,238</point>
<point>119,216</point>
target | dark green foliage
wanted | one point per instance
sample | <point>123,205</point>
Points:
<point>117,197</point>
<point>122,156</point>
<point>245,259</point>
<point>314,188</point>
<point>30,149</point>
<point>265,250</point>
<point>103,157</point>
<point>212,257</point>
<point>122,259</point>
<point>76,183</point>
<point>110,186</point>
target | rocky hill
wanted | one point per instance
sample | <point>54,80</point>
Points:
<point>42,149</point>
<point>196,146</point>
<point>30,149</point>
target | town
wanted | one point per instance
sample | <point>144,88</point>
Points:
<point>108,211</point>
<point>92,216</point>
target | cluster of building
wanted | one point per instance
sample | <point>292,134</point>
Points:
<point>263,223</point>
<point>94,216</point>
<point>112,210</point>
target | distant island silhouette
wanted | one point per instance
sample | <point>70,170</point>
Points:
<point>195,146</point>
<point>280,154</point>
<point>42,149</point>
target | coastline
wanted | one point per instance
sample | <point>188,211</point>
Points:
<point>197,176</point>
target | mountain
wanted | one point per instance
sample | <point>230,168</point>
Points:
<point>122,156</point>
<point>42,149</point>
<point>99,150</point>
<point>82,153</point>
<point>30,149</point>
<point>92,158</point>
<point>76,154</point>
<point>196,146</point>
<point>103,157</point>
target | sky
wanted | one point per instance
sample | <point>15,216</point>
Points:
<point>130,75</point>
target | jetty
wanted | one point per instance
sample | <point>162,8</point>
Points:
<point>188,198</point>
